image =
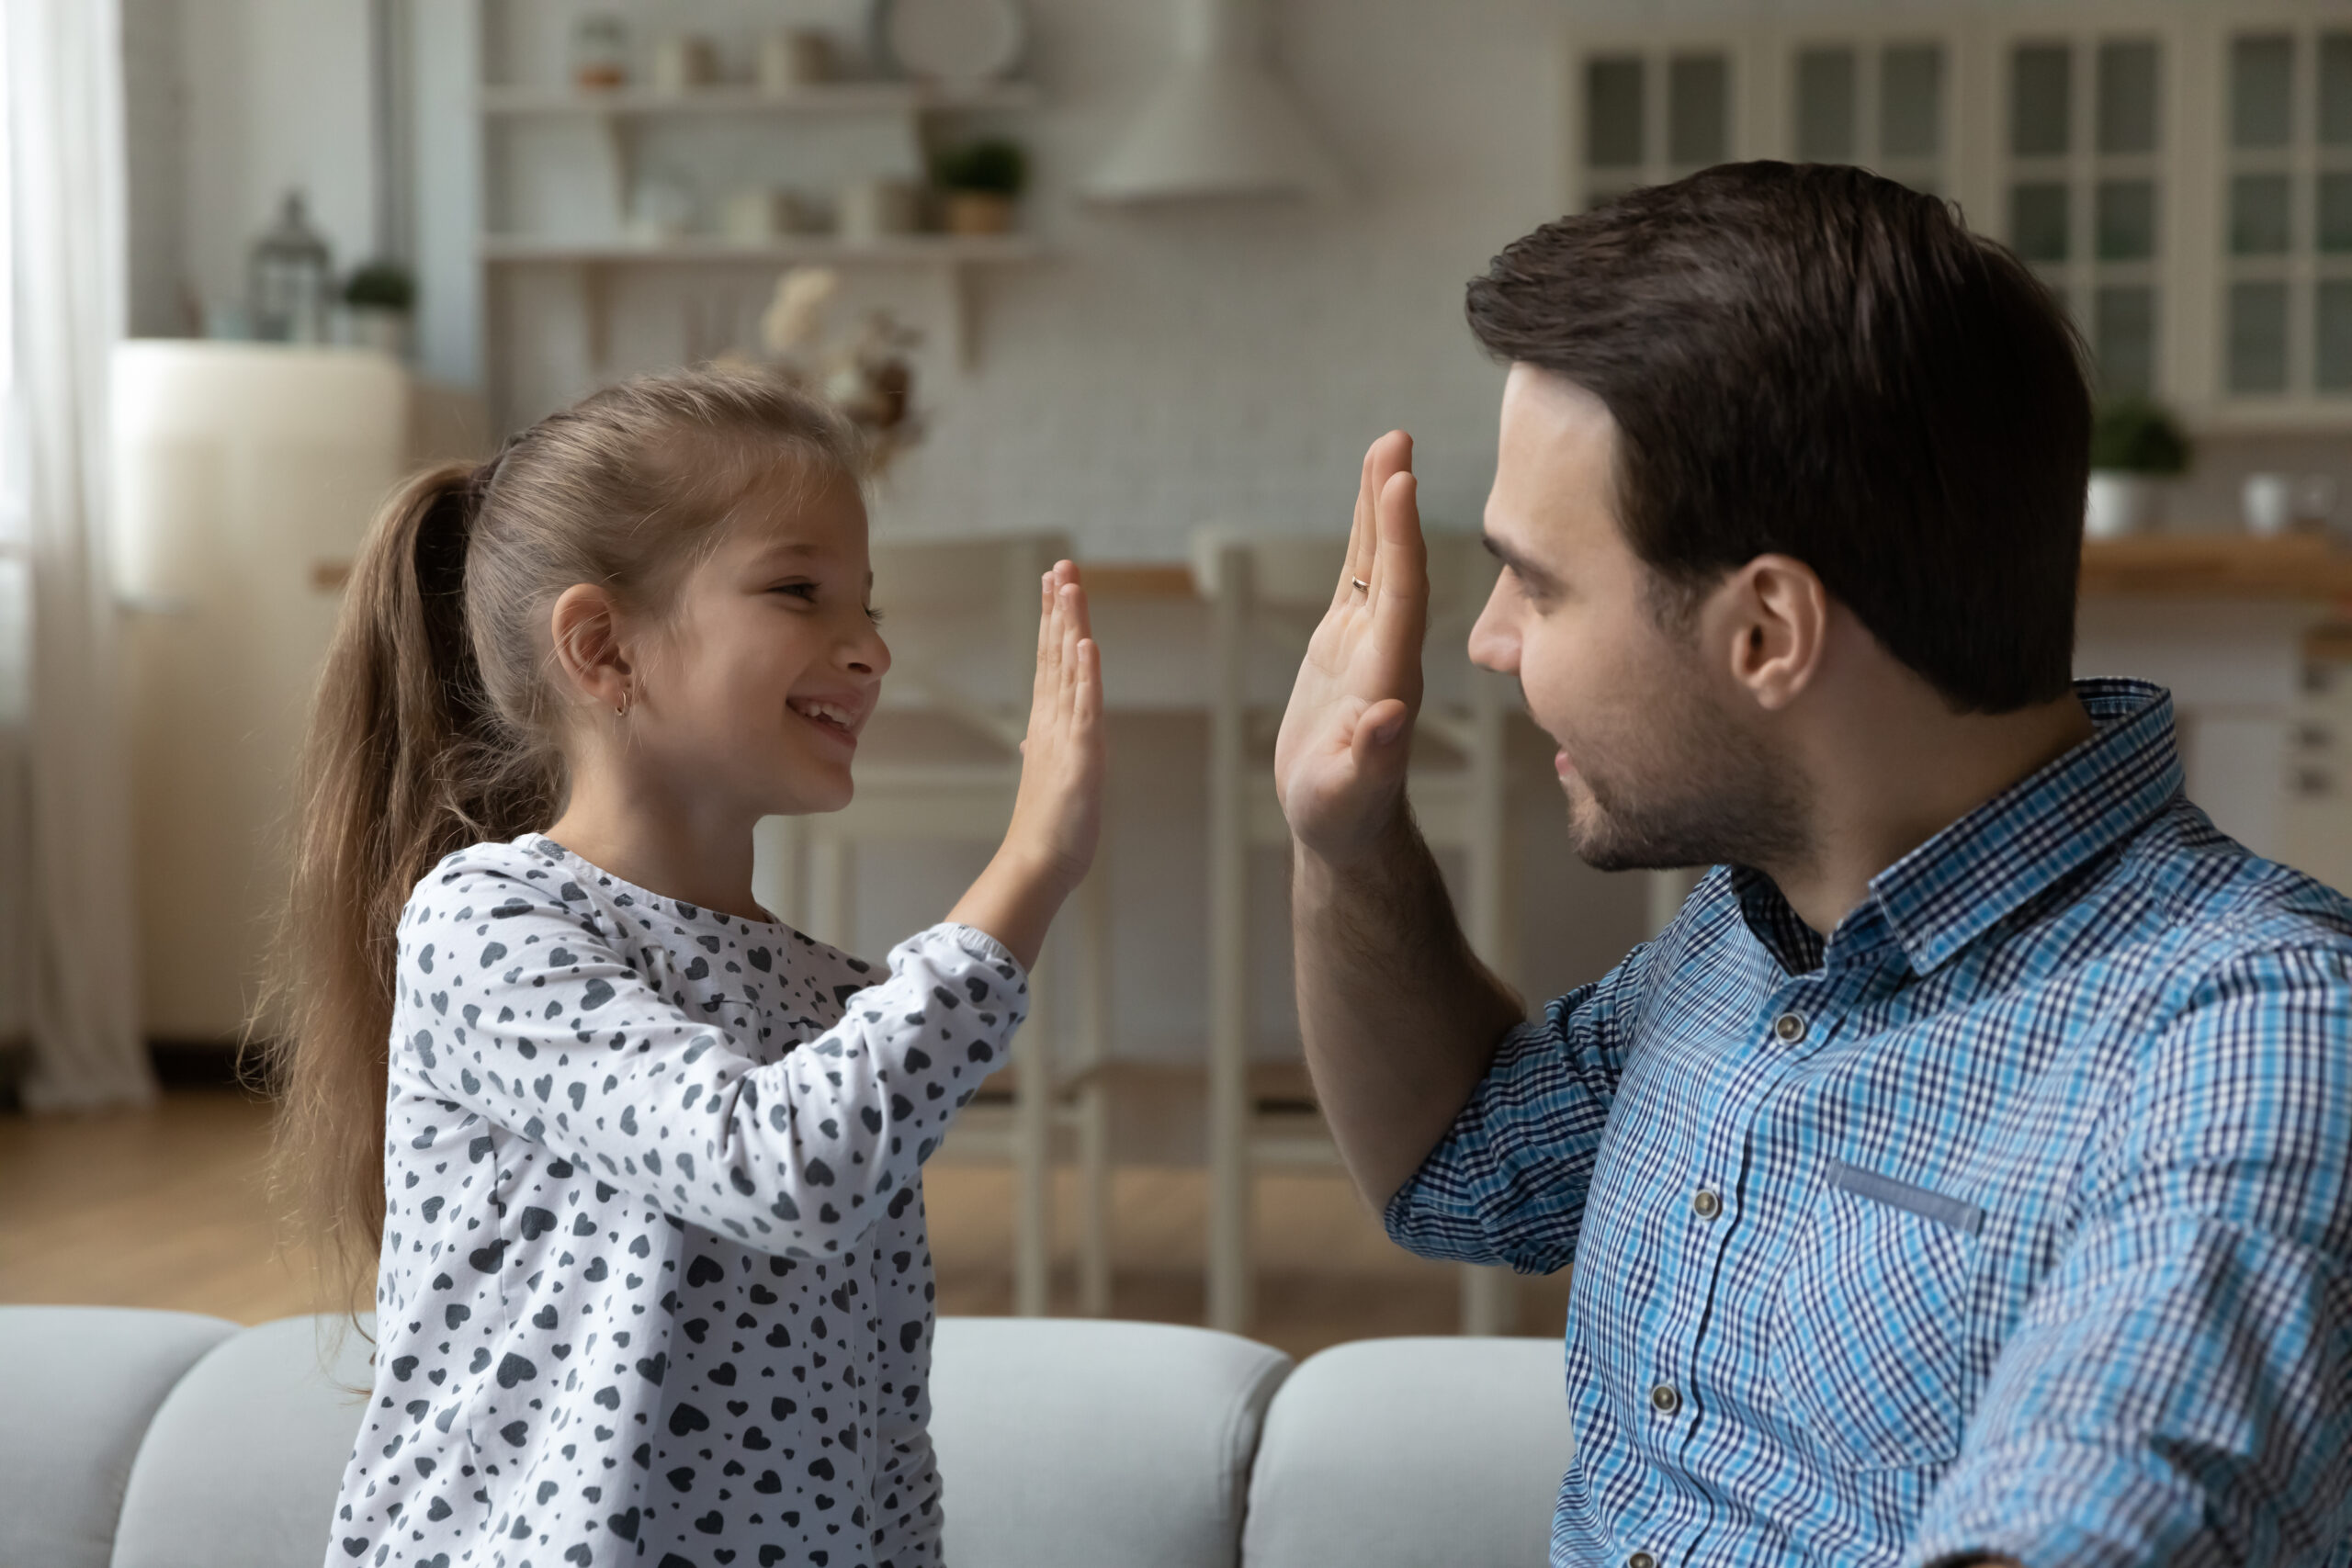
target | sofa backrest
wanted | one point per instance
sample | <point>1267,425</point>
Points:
<point>242,1464</point>
<point>1398,1453</point>
<point>78,1387</point>
<point>142,1439</point>
<point>1082,1443</point>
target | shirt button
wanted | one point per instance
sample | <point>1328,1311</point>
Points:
<point>1640,1560</point>
<point>1790,1027</point>
<point>1705,1204</point>
<point>1665,1399</point>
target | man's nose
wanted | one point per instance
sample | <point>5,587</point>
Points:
<point>1493,642</point>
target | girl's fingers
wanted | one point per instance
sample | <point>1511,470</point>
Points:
<point>1044,629</point>
<point>1079,606</point>
<point>1051,672</point>
<point>1088,704</point>
<point>1070,607</point>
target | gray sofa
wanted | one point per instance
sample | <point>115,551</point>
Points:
<point>150,1439</point>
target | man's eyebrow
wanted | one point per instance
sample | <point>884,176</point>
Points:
<point>1525,569</point>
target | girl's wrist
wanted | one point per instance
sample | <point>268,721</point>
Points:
<point>1015,900</point>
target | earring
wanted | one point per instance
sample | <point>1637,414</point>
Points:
<point>620,709</point>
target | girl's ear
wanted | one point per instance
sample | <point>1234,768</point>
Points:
<point>586,629</point>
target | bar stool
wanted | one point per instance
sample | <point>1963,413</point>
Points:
<point>1273,592</point>
<point>962,635</point>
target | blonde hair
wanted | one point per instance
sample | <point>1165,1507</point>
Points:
<point>436,724</point>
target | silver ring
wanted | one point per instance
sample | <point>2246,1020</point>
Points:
<point>1361,585</point>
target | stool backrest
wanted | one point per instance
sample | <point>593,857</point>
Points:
<point>911,575</point>
<point>961,620</point>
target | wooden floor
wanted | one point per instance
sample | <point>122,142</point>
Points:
<point>164,1208</point>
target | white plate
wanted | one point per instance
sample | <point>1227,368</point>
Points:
<point>955,41</point>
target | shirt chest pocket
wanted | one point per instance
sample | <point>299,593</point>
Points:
<point>1871,1339</point>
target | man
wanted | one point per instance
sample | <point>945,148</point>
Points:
<point>1962,1176</point>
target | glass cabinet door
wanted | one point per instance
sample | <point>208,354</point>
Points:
<point>2286,236</point>
<point>1879,104</point>
<point>1651,113</point>
<point>2083,190</point>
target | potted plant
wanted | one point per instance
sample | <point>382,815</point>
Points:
<point>378,298</point>
<point>2135,446</point>
<point>979,181</point>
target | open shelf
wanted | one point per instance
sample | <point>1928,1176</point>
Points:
<point>560,171</point>
<point>902,249</point>
<point>814,99</point>
<point>2218,566</point>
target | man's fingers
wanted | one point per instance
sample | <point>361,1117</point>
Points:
<point>1389,456</point>
<point>1401,570</point>
<point>1360,530</point>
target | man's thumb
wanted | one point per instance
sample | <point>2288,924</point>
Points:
<point>1384,729</point>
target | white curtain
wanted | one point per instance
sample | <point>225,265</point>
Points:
<point>63,229</point>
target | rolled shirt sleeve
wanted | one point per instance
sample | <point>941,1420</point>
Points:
<point>2180,1388</point>
<point>1507,1184</point>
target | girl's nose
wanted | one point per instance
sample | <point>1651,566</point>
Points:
<point>866,655</point>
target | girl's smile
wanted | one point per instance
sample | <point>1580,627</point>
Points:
<point>838,716</point>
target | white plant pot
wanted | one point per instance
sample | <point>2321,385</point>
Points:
<point>2120,504</point>
<point>2269,503</point>
<point>376,327</point>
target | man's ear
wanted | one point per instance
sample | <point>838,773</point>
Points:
<point>1769,621</point>
<point>586,632</point>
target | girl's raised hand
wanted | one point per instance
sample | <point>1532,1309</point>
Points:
<point>1057,813</point>
<point>1057,816</point>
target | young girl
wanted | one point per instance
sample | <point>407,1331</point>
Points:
<point>641,1166</point>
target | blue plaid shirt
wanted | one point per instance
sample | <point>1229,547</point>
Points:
<point>2016,1217</point>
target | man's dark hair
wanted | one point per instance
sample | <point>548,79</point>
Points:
<point>1813,361</point>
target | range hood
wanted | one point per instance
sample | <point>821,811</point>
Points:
<point>1220,125</point>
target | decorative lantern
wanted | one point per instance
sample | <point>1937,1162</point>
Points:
<point>292,278</point>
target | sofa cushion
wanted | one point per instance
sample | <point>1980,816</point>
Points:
<point>1070,1442</point>
<point>242,1464</point>
<point>77,1388</point>
<point>1409,1452</point>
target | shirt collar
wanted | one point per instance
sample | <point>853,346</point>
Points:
<point>1950,889</point>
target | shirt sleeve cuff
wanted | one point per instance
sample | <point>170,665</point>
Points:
<point>2065,1505</point>
<point>979,945</point>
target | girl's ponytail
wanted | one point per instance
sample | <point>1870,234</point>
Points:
<point>404,763</point>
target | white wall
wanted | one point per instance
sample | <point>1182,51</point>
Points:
<point>276,96</point>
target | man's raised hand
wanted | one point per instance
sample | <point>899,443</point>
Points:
<point>1340,760</point>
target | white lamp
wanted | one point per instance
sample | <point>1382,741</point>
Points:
<point>1221,124</point>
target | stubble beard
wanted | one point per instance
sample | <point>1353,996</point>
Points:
<point>1693,790</point>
